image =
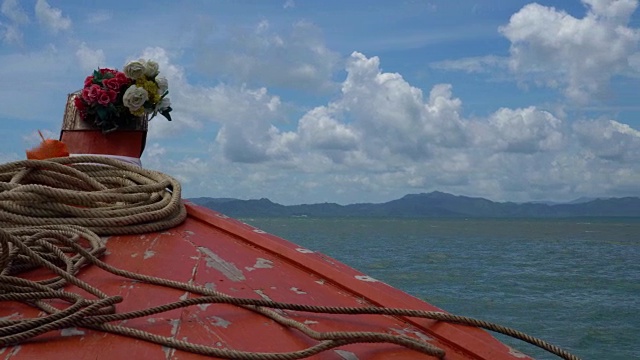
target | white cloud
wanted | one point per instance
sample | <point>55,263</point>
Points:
<point>186,100</point>
<point>289,4</point>
<point>10,34</point>
<point>13,10</point>
<point>609,140</point>
<point>476,64</point>
<point>241,116</point>
<point>375,135</point>
<point>619,10</point>
<point>524,130</point>
<point>50,17</point>
<point>552,48</point>
<point>297,59</point>
<point>155,150</point>
<point>90,59</point>
<point>382,137</point>
<point>393,116</point>
<point>318,129</point>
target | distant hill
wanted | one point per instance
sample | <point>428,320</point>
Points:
<point>208,200</point>
<point>434,204</point>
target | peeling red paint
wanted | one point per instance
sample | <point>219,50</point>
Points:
<point>210,250</point>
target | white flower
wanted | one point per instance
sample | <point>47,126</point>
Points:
<point>135,97</point>
<point>165,103</point>
<point>135,69</point>
<point>151,69</point>
<point>163,84</point>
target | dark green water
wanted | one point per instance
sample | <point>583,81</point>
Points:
<point>572,282</point>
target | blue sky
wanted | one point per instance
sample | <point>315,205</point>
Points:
<point>359,101</point>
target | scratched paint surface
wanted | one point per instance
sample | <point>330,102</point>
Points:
<point>202,253</point>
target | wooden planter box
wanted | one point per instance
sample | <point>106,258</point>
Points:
<point>82,137</point>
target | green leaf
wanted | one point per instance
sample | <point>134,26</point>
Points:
<point>102,113</point>
<point>166,112</point>
<point>97,77</point>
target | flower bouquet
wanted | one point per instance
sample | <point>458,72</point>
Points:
<point>113,99</point>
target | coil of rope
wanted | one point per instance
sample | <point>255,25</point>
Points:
<point>51,215</point>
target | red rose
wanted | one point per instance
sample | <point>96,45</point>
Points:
<point>112,84</point>
<point>122,78</point>
<point>80,105</point>
<point>85,94</point>
<point>113,95</point>
<point>90,94</point>
<point>104,98</point>
<point>88,81</point>
<point>105,70</point>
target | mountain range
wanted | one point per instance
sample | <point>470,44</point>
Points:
<point>434,204</point>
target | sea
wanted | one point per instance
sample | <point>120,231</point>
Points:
<point>573,282</point>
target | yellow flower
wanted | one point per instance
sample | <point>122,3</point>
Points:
<point>138,112</point>
<point>151,87</point>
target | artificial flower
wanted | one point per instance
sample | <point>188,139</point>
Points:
<point>111,99</point>
<point>135,97</point>
<point>151,69</point>
<point>134,69</point>
<point>163,84</point>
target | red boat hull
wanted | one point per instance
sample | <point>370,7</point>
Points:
<point>214,251</point>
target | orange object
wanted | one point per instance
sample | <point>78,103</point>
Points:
<point>214,251</point>
<point>48,149</point>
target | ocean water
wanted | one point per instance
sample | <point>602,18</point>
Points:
<point>572,282</point>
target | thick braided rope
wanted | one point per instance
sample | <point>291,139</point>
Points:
<point>114,189</point>
<point>106,196</point>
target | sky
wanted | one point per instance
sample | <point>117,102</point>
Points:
<point>303,101</point>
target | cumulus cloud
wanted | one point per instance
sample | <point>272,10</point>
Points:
<point>379,137</point>
<point>525,131</point>
<point>618,10</point>
<point>609,140</point>
<point>379,116</point>
<point>375,135</point>
<point>577,55</point>
<point>382,135</point>
<point>382,123</point>
<point>393,115</point>
<point>181,93</point>
<point>297,59</point>
<point>90,59</point>
<point>240,115</point>
<point>51,18</point>
<point>318,129</point>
